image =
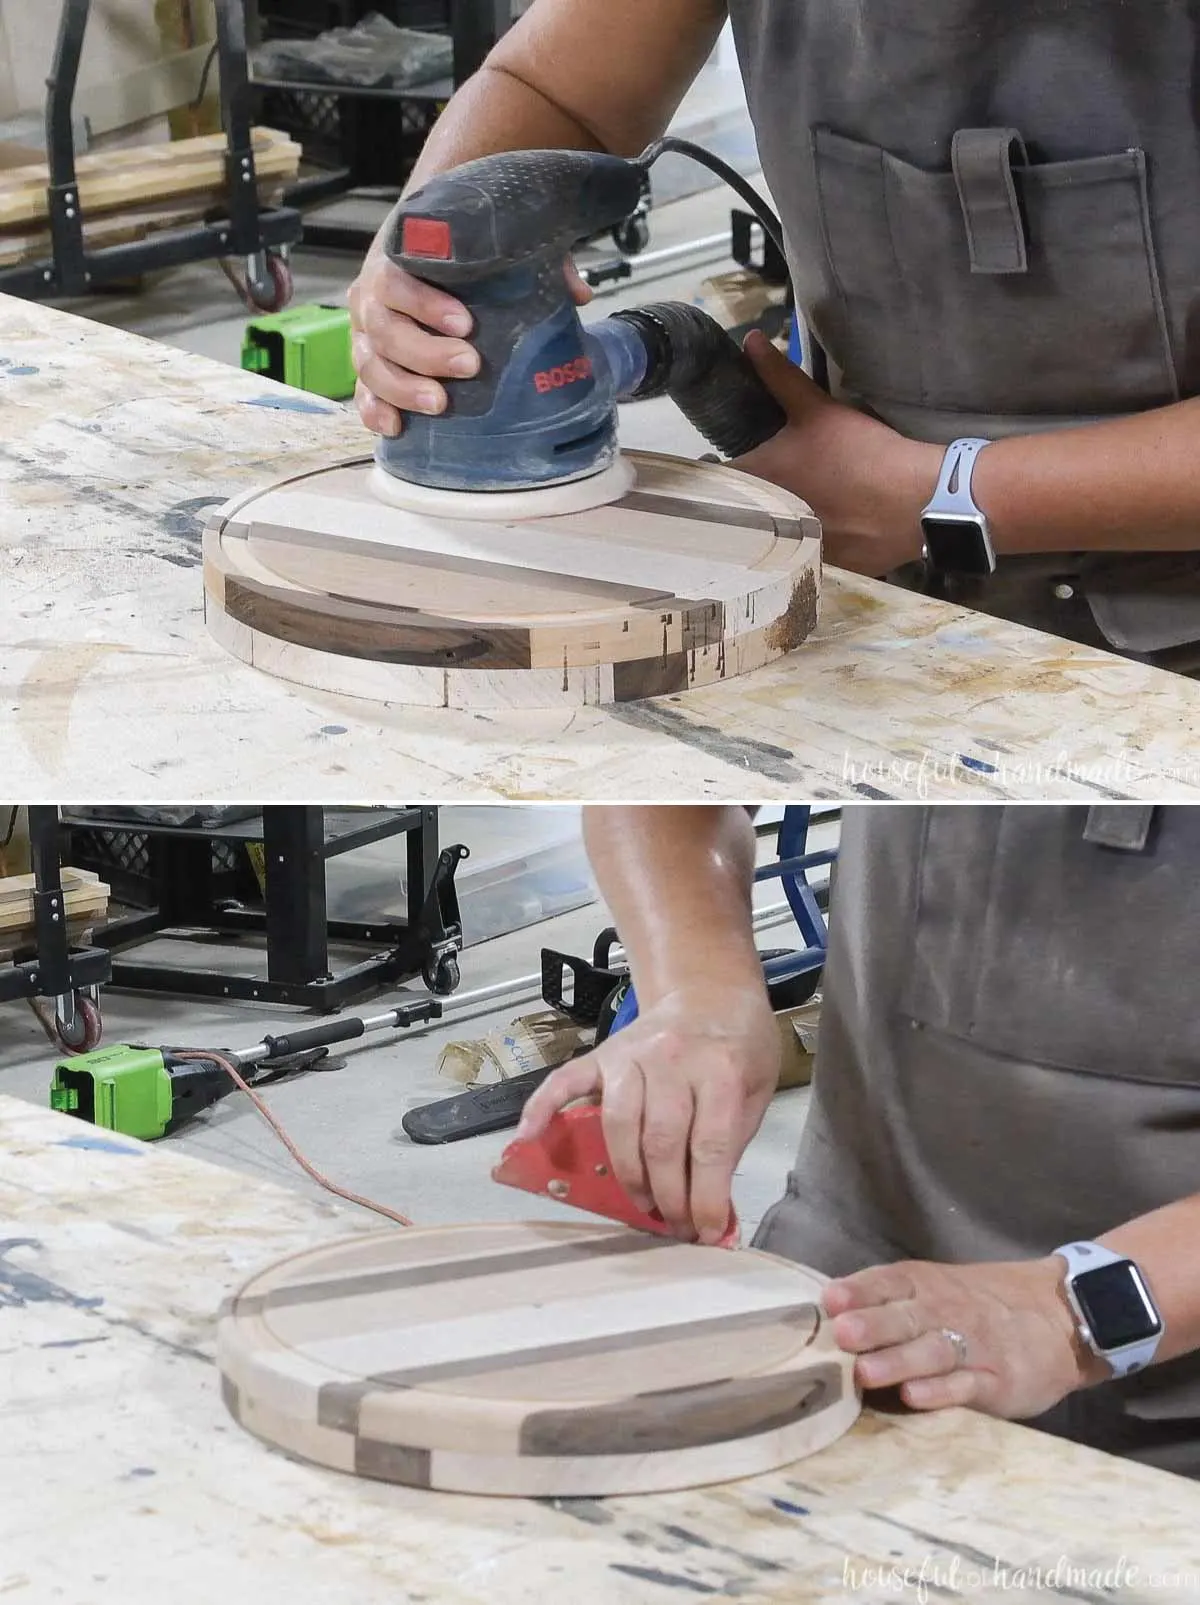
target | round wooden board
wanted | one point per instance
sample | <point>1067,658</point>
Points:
<point>697,574</point>
<point>538,1359</point>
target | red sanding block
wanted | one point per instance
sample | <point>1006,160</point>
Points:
<point>570,1162</point>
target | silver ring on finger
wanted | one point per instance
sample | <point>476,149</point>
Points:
<point>958,1343</point>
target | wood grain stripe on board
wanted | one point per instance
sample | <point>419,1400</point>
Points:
<point>650,677</point>
<point>551,591</point>
<point>698,512</point>
<point>406,638</point>
<point>684,1418</point>
<point>665,505</point>
<point>339,1403</point>
<point>580,546</point>
<point>465,688</point>
<point>359,630</point>
<point>231,1397</point>
<point>393,1462</point>
<point>367,1283</point>
<point>703,624</point>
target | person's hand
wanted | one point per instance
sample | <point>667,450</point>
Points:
<point>866,483</point>
<point>1020,1352</point>
<point>405,336</point>
<point>682,1090</point>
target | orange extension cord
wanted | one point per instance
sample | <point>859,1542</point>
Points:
<point>239,1081</point>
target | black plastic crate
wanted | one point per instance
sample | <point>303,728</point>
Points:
<point>122,859</point>
<point>304,19</point>
<point>378,138</point>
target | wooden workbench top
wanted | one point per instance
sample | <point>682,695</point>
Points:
<point>124,1482</point>
<point>112,450</point>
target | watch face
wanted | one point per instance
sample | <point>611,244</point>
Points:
<point>1116,1305</point>
<point>958,546</point>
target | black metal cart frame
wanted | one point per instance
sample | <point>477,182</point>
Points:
<point>297,843</point>
<point>247,231</point>
<point>387,125</point>
<point>52,968</point>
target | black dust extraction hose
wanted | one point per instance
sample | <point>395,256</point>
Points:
<point>712,381</point>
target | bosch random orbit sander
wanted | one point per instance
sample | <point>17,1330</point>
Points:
<point>472,527</point>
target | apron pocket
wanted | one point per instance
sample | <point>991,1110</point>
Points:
<point>1067,318</point>
<point>1036,945</point>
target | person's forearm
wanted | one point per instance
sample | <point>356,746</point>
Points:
<point>1130,484</point>
<point>679,883</point>
<point>1166,1246</point>
<point>577,75</point>
<point>494,111</point>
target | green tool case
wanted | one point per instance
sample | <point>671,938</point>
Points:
<point>307,347</point>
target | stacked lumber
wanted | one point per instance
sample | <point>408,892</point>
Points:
<point>85,897</point>
<point>128,194</point>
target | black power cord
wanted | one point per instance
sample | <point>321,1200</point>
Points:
<point>747,192</point>
<point>730,175</point>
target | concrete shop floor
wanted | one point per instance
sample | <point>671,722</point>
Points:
<point>347,1122</point>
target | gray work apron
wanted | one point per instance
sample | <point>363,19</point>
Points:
<point>993,215</point>
<point>1009,1058</point>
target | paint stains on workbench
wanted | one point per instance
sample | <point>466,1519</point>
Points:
<point>742,752</point>
<point>591,1511</point>
<point>182,520</point>
<point>688,1539</point>
<point>790,1509</point>
<point>676,1580</point>
<point>286,404</point>
<point>19,1287</point>
<point>104,1145</point>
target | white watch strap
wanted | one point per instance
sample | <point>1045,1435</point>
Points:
<point>953,497</point>
<point>1085,1256</point>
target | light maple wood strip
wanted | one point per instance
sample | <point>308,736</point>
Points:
<point>16,886</point>
<point>117,179</point>
<point>78,909</point>
<point>85,900</point>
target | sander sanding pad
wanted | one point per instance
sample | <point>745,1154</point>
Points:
<point>545,501</point>
<point>541,1359</point>
<point>696,574</point>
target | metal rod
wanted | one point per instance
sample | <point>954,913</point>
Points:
<point>514,988</point>
<point>673,253</point>
<point>604,281</point>
<point>712,248</point>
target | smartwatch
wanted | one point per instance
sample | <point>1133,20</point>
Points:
<point>957,537</point>
<point>1114,1312</point>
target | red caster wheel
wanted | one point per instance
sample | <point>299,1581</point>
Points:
<point>260,300</point>
<point>84,1032</point>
